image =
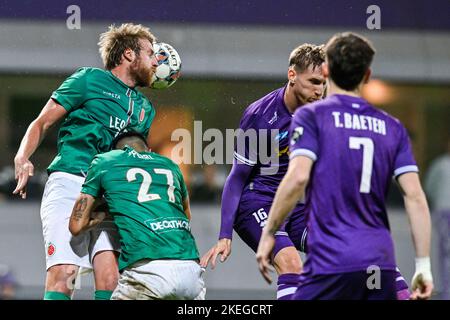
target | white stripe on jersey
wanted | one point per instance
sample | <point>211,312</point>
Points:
<point>405,169</point>
<point>303,152</point>
<point>244,160</point>
<point>286,292</point>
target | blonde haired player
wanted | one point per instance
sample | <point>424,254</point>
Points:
<point>95,104</point>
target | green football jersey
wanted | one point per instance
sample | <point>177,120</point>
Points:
<point>99,105</point>
<point>144,192</point>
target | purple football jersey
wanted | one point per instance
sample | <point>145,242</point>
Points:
<point>269,119</point>
<point>357,150</point>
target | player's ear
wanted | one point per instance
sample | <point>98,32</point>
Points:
<point>367,75</point>
<point>291,75</point>
<point>129,55</point>
<point>325,70</point>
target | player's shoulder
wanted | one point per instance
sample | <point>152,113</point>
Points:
<point>389,117</point>
<point>390,120</point>
<point>264,108</point>
<point>90,72</point>
<point>109,156</point>
<point>163,159</point>
<point>85,70</point>
<point>263,104</point>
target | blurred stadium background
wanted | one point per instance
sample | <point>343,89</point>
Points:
<point>233,52</point>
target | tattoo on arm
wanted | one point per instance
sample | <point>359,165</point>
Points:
<point>80,208</point>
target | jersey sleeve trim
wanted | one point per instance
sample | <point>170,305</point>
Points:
<point>59,99</point>
<point>90,191</point>
<point>405,169</point>
<point>303,152</point>
<point>244,160</point>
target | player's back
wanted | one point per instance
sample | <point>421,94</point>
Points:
<point>145,193</point>
<point>358,149</point>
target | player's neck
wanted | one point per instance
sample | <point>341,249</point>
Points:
<point>122,73</point>
<point>334,89</point>
<point>290,100</point>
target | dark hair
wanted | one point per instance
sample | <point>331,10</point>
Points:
<point>127,134</point>
<point>305,55</point>
<point>349,56</point>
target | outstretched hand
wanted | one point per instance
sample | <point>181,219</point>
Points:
<point>265,247</point>
<point>24,169</point>
<point>222,248</point>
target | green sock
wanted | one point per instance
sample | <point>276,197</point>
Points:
<point>102,295</point>
<point>54,295</point>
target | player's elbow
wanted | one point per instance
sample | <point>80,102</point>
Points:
<point>75,228</point>
<point>414,194</point>
<point>300,180</point>
<point>43,124</point>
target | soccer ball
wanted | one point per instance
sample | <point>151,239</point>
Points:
<point>169,66</point>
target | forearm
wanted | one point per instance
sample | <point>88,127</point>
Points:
<point>419,218</point>
<point>230,204</point>
<point>80,220</point>
<point>32,139</point>
<point>231,196</point>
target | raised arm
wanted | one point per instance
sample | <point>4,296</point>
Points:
<point>50,114</point>
<point>231,196</point>
<point>419,218</point>
<point>82,217</point>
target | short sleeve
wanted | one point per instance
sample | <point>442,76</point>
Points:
<point>246,144</point>
<point>71,94</point>
<point>93,183</point>
<point>404,158</point>
<point>303,134</point>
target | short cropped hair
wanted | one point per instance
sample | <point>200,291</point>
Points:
<point>116,40</point>
<point>131,135</point>
<point>349,56</point>
<point>305,55</point>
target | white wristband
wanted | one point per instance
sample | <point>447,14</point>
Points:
<point>423,266</point>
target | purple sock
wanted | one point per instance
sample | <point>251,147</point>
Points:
<point>287,285</point>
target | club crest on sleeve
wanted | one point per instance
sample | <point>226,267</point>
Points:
<point>298,132</point>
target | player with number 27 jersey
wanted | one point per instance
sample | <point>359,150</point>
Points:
<point>144,192</point>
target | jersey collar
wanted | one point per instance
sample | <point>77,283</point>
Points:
<point>121,82</point>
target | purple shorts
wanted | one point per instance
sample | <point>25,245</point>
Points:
<point>252,217</point>
<point>346,286</point>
